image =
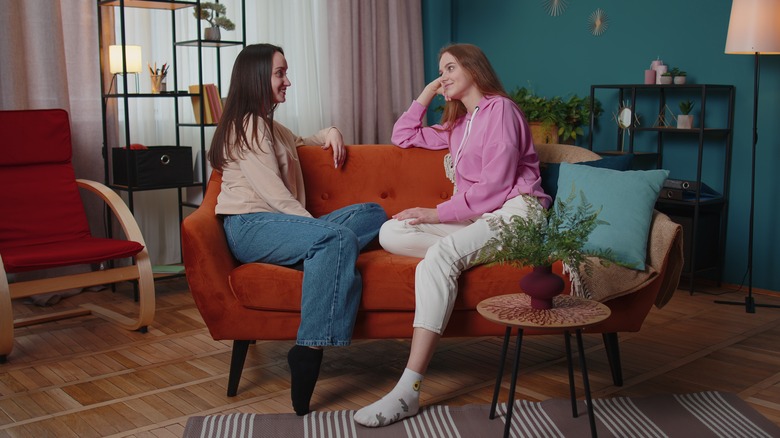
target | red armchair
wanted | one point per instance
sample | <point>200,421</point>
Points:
<point>43,224</point>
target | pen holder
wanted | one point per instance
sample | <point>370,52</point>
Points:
<point>158,83</point>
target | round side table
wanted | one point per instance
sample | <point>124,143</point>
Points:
<point>567,314</point>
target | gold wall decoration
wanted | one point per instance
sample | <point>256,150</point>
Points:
<point>555,7</point>
<point>598,22</point>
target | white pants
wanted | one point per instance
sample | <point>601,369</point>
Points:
<point>447,250</point>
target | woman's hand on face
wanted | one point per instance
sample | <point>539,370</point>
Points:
<point>334,140</point>
<point>418,215</point>
<point>430,91</point>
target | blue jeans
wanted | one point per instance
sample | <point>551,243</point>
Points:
<point>328,247</point>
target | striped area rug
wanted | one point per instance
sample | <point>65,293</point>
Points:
<point>703,414</point>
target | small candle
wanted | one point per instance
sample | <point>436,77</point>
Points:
<point>660,70</point>
<point>649,76</point>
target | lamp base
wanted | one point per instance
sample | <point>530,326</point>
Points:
<point>750,304</point>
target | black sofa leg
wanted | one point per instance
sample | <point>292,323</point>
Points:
<point>613,355</point>
<point>237,359</point>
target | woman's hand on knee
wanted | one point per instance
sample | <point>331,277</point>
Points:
<point>418,215</point>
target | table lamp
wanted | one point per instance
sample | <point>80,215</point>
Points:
<point>132,64</point>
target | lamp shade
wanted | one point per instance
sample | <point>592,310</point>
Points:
<point>754,27</point>
<point>133,59</point>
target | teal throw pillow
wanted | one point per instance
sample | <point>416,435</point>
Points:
<point>550,171</point>
<point>626,199</point>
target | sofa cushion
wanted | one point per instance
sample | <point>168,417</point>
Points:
<point>626,200</point>
<point>551,171</point>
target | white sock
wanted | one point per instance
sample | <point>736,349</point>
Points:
<point>403,401</point>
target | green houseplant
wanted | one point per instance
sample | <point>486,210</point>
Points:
<point>686,106</point>
<point>213,13</point>
<point>544,237</point>
<point>685,120</point>
<point>560,119</point>
<point>679,76</point>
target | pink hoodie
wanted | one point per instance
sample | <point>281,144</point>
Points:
<point>494,163</point>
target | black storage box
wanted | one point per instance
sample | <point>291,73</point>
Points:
<point>157,166</point>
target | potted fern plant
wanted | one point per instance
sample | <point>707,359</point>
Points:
<point>214,14</point>
<point>541,239</point>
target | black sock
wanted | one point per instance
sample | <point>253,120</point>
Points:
<point>304,365</point>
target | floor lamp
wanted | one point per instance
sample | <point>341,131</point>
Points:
<point>754,29</point>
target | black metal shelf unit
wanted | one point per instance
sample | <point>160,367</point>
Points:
<point>197,48</point>
<point>167,6</point>
<point>703,216</point>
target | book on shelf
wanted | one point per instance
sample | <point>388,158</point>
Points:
<point>199,98</point>
<point>215,102</point>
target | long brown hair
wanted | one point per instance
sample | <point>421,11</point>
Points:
<point>249,97</point>
<point>474,61</point>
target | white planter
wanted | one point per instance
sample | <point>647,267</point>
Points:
<point>679,80</point>
<point>685,121</point>
<point>666,80</point>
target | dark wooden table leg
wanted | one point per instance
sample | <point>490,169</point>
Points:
<point>586,384</point>
<point>511,403</point>
<point>501,362</point>
<point>570,363</point>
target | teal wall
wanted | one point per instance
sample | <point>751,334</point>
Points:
<point>558,56</point>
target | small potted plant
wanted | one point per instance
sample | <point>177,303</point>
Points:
<point>685,119</point>
<point>541,239</point>
<point>214,14</point>
<point>666,78</point>
<point>679,76</point>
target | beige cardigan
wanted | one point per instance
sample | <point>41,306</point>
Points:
<point>267,178</point>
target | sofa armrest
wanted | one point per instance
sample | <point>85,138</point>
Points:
<point>207,258</point>
<point>666,252</point>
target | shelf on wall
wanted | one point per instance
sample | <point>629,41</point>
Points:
<point>161,187</point>
<point>150,4</point>
<point>209,43</point>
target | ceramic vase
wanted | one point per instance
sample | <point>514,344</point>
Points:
<point>542,285</point>
<point>685,121</point>
<point>212,34</point>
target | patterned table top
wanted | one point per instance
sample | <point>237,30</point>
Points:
<point>568,312</point>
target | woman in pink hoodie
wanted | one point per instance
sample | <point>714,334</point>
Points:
<point>495,169</point>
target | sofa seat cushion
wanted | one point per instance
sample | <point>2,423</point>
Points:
<point>388,284</point>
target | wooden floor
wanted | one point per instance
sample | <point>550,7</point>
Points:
<point>85,377</point>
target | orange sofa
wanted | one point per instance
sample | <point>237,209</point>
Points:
<point>257,301</point>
